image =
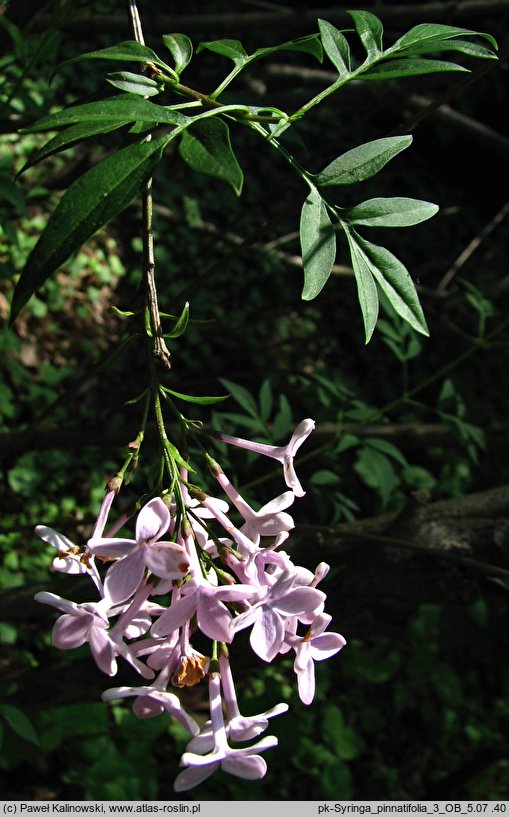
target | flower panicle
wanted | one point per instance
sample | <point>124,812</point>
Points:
<point>191,568</point>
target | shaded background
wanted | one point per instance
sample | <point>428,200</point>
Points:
<point>406,474</point>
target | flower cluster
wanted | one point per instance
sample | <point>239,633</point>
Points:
<point>189,569</point>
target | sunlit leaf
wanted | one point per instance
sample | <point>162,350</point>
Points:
<point>370,30</point>
<point>89,203</point>
<point>428,37</point>
<point>318,244</point>
<point>390,212</point>
<point>362,162</point>
<point>134,83</point>
<point>127,51</point>
<point>391,276</point>
<point>410,68</point>
<point>366,286</point>
<point>233,49</point>
<point>335,46</point>
<point>181,49</point>
<point>123,107</point>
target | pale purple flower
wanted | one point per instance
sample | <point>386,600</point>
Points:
<point>268,615</point>
<point>155,701</point>
<point>315,645</point>
<point>270,520</point>
<point>71,558</point>
<point>88,622</point>
<point>79,624</point>
<point>238,727</point>
<point>285,454</point>
<point>244,763</point>
<point>167,560</point>
<point>206,601</point>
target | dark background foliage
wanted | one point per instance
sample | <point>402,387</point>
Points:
<point>406,474</point>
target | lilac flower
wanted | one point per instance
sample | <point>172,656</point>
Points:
<point>155,701</point>
<point>238,727</point>
<point>269,520</point>
<point>285,454</point>
<point>244,763</point>
<point>316,645</point>
<point>268,615</point>
<point>206,601</point>
<point>81,623</point>
<point>71,558</point>
<point>167,560</point>
<point>88,622</point>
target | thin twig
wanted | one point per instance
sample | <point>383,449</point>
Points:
<point>472,247</point>
<point>161,351</point>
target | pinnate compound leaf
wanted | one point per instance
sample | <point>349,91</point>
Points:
<point>335,46</point>
<point>362,162</point>
<point>127,51</point>
<point>206,148</point>
<point>124,107</point>
<point>390,212</point>
<point>370,30</point>
<point>428,37</point>
<point>410,68</point>
<point>318,243</point>
<point>393,279</point>
<point>138,84</point>
<point>89,203</point>
<point>181,49</point>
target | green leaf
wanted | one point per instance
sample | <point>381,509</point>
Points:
<point>71,136</point>
<point>123,107</point>
<point>318,243</point>
<point>127,51</point>
<point>335,46</point>
<point>11,193</point>
<point>180,324</point>
<point>393,279</point>
<point>206,148</point>
<point>428,37</point>
<point>377,471</point>
<point>190,398</point>
<point>409,68</point>
<point>386,448</point>
<point>134,83</point>
<point>307,45</point>
<point>90,203</point>
<point>370,30</point>
<point>181,49</point>
<point>19,722</point>
<point>390,212</point>
<point>366,287</point>
<point>233,49</point>
<point>362,162</point>
<point>242,396</point>
<point>265,400</point>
